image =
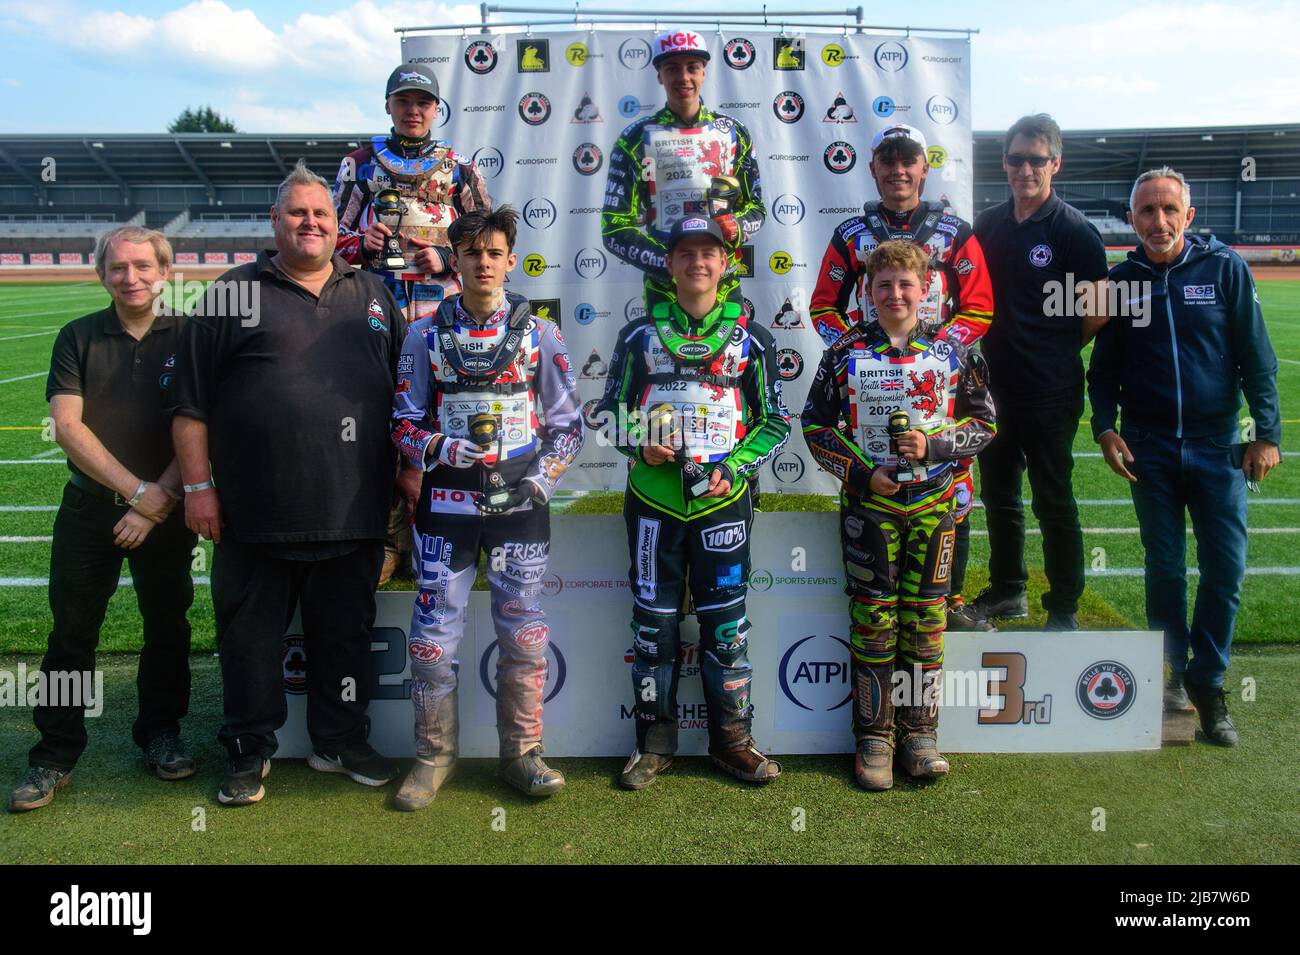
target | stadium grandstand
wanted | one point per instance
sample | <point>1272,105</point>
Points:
<point>210,192</point>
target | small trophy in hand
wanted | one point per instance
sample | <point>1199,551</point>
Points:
<point>661,421</point>
<point>899,425</point>
<point>388,209</point>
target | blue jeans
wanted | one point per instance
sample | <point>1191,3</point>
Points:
<point>1196,474</point>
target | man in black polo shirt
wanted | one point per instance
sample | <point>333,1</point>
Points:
<point>1042,254</point>
<point>106,389</point>
<point>288,396</point>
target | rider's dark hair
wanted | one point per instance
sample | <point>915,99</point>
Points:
<point>473,227</point>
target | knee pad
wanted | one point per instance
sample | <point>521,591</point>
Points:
<point>726,639</point>
<point>653,637</point>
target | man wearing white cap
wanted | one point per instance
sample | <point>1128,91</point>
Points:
<point>662,168</point>
<point>957,304</point>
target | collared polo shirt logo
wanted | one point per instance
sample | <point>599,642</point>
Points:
<point>1040,255</point>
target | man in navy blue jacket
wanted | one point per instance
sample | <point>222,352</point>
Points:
<point>1177,369</point>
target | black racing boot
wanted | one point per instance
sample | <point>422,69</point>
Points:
<point>1212,706</point>
<point>989,605</point>
<point>643,769</point>
<point>918,729</point>
<point>963,618</point>
<point>873,724</point>
<point>38,787</point>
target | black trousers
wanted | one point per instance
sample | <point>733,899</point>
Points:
<point>1038,435</point>
<point>254,594</point>
<point>85,566</point>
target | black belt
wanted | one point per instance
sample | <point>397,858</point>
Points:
<point>98,490</point>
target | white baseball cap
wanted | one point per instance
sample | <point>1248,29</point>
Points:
<point>679,43</point>
<point>899,131</point>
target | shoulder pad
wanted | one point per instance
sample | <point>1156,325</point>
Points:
<point>850,227</point>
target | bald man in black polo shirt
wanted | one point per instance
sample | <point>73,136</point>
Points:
<point>108,377</point>
<point>1040,251</point>
<point>281,428</point>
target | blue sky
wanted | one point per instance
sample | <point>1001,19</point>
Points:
<point>81,66</point>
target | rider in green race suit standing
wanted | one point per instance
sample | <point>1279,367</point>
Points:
<point>661,168</point>
<point>699,384</point>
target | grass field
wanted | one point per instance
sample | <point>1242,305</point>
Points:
<point>1180,805</point>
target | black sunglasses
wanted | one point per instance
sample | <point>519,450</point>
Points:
<point>1016,160</point>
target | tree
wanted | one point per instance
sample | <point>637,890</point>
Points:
<point>202,120</point>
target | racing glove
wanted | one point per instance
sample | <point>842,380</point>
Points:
<point>518,495</point>
<point>457,453</point>
<point>730,228</point>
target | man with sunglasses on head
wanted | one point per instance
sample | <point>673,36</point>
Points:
<point>1038,249</point>
<point>958,304</point>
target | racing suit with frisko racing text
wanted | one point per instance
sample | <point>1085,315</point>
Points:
<point>898,548</point>
<point>729,414</point>
<point>515,367</point>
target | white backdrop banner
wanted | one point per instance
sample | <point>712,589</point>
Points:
<point>1013,692</point>
<point>540,114</point>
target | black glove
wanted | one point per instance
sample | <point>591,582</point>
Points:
<point>517,496</point>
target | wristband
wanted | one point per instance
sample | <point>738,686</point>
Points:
<point>195,488</point>
<point>139,494</point>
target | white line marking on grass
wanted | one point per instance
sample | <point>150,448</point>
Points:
<point>1097,454</point>
<point>45,581</point>
<point>1290,361</point>
<point>1134,530</point>
<point>14,338</point>
<point>1118,501</point>
<point>37,374</point>
<point>38,461</point>
<point>1195,572</point>
<point>25,540</point>
<point>71,307</point>
<point>46,454</point>
<point>26,508</point>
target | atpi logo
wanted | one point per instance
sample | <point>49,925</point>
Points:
<point>634,53</point>
<point>890,56</point>
<point>633,309</point>
<point>739,54</point>
<point>788,467</point>
<point>587,159</point>
<point>788,209</point>
<point>1106,690</point>
<point>444,112</point>
<point>941,110</point>
<point>557,669</point>
<point>590,263</point>
<point>814,673</point>
<point>539,213</point>
<point>489,161</point>
<point>481,57</point>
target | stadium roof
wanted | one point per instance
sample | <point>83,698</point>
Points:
<point>219,159</point>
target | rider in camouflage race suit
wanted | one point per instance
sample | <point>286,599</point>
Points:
<point>718,373</point>
<point>898,546</point>
<point>661,167</point>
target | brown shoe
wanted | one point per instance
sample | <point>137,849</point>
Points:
<point>873,764</point>
<point>391,560</point>
<point>747,764</point>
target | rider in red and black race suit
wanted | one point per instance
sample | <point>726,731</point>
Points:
<point>959,305</point>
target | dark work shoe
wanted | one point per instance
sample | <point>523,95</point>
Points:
<point>1176,699</point>
<point>1059,620</point>
<point>38,787</point>
<point>643,769</point>
<point>360,763</point>
<point>243,783</point>
<point>962,618</point>
<point>530,774</point>
<point>1212,706</point>
<point>166,756</point>
<point>746,764</point>
<point>989,605</point>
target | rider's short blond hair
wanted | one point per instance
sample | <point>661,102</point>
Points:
<point>898,254</point>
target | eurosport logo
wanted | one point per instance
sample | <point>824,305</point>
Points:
<point>1106,690</point>
<point>941,110</point>
<point>788,209</point>
<point>633,309</point>
<point>814,673</point>
<point>539,213</point>
<point>557,668</point>
<point>788,106</point>
<point>634,53</point>
<point>489,161</point>
<point>534,109</point>
<point>890,56</point>
<point>739,54</point>
<point>590,263</point>
<point>840,157</point>
<point>587,159</point>
<point>481,57</point>
<point>788,467</point>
